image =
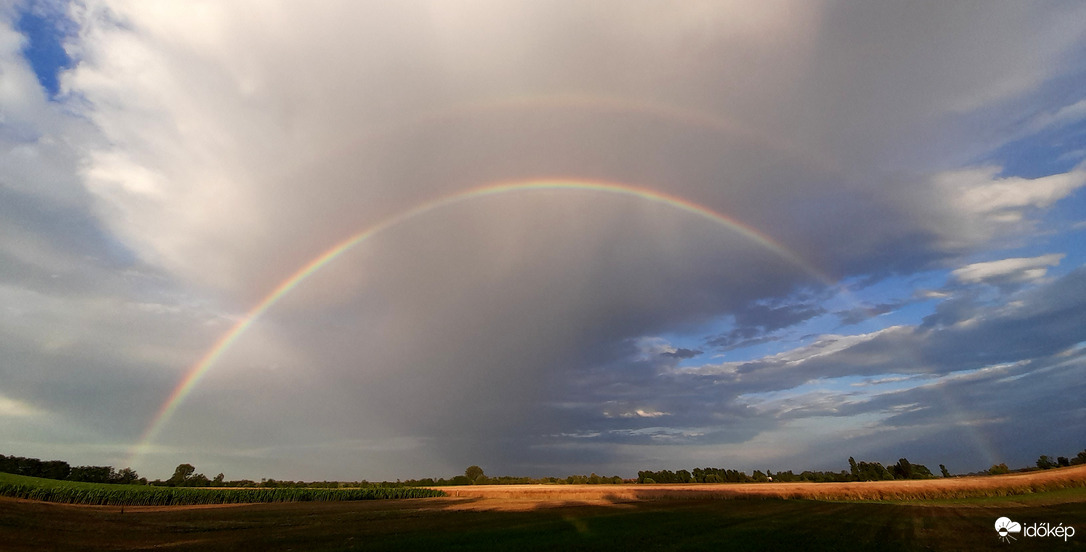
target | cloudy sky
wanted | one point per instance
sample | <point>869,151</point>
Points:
<point>762,235</point>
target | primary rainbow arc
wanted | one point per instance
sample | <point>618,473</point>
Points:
<point>198,370</point>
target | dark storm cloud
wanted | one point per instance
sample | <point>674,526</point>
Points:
<point>773,318</point>
<point>972,380</point>
<point>754,322</point>
<point>1005,414</point>
<point>681,353</point>
<point>1036,323</point>
<point>740,337</point>
<point>859,314</point>
<point>60,248</point>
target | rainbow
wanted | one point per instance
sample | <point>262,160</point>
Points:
<point>198,370</point>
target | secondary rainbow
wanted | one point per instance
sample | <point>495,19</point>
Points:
<point>201,367</point>
<point>625,107</point>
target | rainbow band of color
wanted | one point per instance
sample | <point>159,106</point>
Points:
<point>198,370</point>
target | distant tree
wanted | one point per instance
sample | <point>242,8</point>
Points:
<point>942,469</point>
<point>1063,461</point>
<point>785,476</point>
<point>853,467</point>
<point>998,469</point>
<point>902,470</point>
<point>218,481</point>
<point>1079,458</point>
<point>181,475</point>
<point>55,469</point>
<point>907,470</point>
<point>126,476</point>
<point>1044,462</point>
<point>872,471</point>
<point>91,474</point>
<point>473,473</point>
<point>920,471</point>
<point>759,476</point>
<point>29,466</point>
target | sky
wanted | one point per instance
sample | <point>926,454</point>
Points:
<point>374,240</point>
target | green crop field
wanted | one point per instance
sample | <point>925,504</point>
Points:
<point>49,490</point>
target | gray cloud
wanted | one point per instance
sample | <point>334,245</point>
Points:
<point>740,337</point>
<point>859,314</point>
<point>755,322</point>
<point>190,166</point>
<point>681,353</point>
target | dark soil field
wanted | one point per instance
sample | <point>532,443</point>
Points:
<point>563,518</point>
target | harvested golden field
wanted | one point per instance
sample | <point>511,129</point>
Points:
<point>956,487</point>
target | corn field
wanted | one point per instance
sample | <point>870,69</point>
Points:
<point>176,496</point>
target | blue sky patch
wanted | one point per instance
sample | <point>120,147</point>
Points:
<point>45,30</point>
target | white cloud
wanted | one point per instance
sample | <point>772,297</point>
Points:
<point>1018,269</point>
<point>932,294</point>
<point>974,205</point>
<point>1063,116</point>
<point>828,345</point>
<point>981,191</point>
<point>39,140</point>
<point>635,413</point>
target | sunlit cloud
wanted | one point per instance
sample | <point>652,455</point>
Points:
<point>1018,269</point>
<point>11,408</point>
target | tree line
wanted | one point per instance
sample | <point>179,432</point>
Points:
<point>59,469</point>
<point>474,475</point>
<point>858,471</point>
<point>185,475</point>
<point>1045,462</point>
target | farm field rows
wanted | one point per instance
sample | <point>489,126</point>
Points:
<point>99,494</point>
<point>566,517</point>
